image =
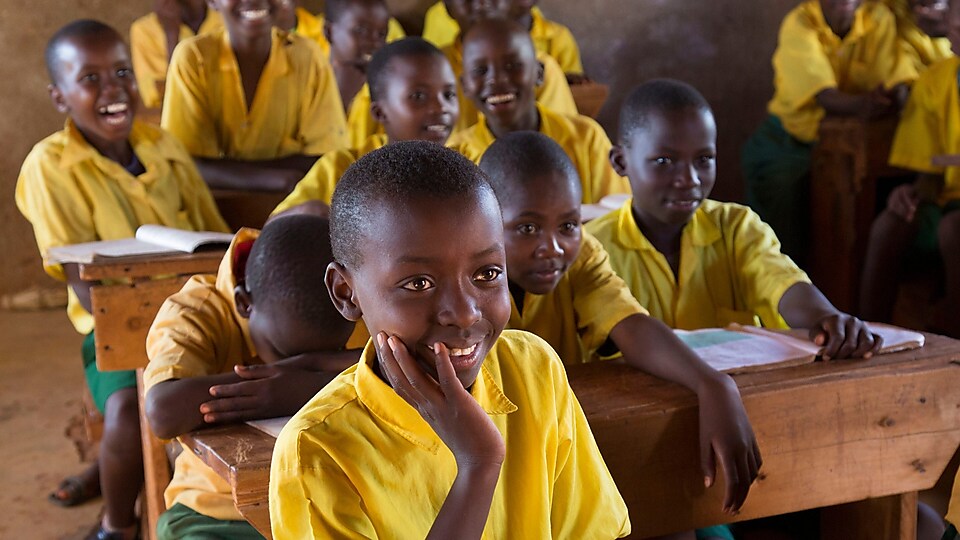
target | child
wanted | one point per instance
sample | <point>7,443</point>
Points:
<point>922,30</point>
<point>415,97</point>
<point>293,17</point>
<point>256,341</point>
<point>549,37</point>
<point>100,178</point>
<point>153,37</point>
<point>499,76</point>
<point>564,291</point>
<point>253,104</point>
<point>920,215</point>
<point>833,57</point>
<point>446,426</point>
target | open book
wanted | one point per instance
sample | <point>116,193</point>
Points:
<point>270,426</point>
<point>150,240</point>
<point>740,349</point>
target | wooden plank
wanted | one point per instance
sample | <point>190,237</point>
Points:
<point>204,262</point>
<point>156,470</point>
<point>589,97</point>
<point>893,517</point>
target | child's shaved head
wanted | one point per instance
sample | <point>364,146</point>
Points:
<point>80,29</point>
<point>498,30</point>
<point>523,157</point>
<point>379,67</point>
<point>334,9</point>
<point>659,96</point>
<point>394,175</point>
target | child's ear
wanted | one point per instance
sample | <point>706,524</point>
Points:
<point>340,286</point>
<point>244,303</point>
<point>617,160</point>
<point>56,96</point>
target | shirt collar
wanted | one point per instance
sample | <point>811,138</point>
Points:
<point>856,29</point>
<point>144,140</point>
<point>277,61</point>
<point>702,229</point>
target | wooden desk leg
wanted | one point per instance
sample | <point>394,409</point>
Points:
<point>886,518</point>
<point>156,470</point>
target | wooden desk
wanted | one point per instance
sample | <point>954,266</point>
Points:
<point>830,434</point>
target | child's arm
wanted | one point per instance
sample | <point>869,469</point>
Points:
<point>875,104</point>
<point>725,432</point>
<point>80,287</point>
<point>168,13</point>
<point>462,425</point>
<point>841,335</point>
<point>280,174</point>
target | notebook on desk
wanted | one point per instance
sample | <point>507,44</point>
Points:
<point>150,240</point>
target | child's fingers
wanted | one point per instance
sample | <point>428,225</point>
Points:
<point>734,471</point>
<point>424,387</point>
<point>391,369</point>
<point>234,404</point>
<point>834,334</point>
<point>708,464</point>
<point>261,371</point>
<point>449,384</point>
<point>852,329</point>
<point>868,343</point>
<point>245,388</point>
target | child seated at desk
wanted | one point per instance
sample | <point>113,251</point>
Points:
<point>415,97</point>
<point>253,104</point>
<point>258,340</point>
<point>836,57</point>
<point>449,426</point>
<point>922,30</point>
<point>500,73</point>
<point>920,216</point>
<point>100,178</point>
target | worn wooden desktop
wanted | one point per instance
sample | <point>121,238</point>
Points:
<point>859,437</point>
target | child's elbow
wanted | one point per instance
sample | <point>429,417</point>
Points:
<point>160,417</point>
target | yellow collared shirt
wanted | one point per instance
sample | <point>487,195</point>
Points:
<point>357,461</point>
<point>360,122</point>
<point>439,27</point>
<point>311,26</point>
<point>811,58</point>
<point>731,268</point>
<point>296,109</point>
<point>555,39</point>
<point>581,138</point>
<point>71,193</point>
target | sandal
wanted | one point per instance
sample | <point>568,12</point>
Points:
<point>100,533</point>
<point>77,492</point>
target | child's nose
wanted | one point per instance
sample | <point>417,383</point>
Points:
<point>687,176</point>
<point>458,308</point>
<point>550,247</point>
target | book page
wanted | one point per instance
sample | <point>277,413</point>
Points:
<point>87,252</point>
<point>894,338</point>
<point>270,426</point>
<point>187,241</point>
<point>737,352</point>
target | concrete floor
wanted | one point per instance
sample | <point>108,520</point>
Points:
<point>41,382</point>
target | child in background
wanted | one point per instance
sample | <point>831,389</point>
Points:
<point>415,97</point>
<point>255,105</point>
<point>449,427</point>
<point>154,36</point>
<point>922,29</point>
<point>292,17</point>
<point>100,178</point>
<point>837,57</point>
<point>258,340</point>
<point>500,73</point>
<point>549,37</point>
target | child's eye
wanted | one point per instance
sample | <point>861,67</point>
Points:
<point>123,73</point>
<point>706,159</point>
<point>489,274</point>
<point>418,96</point>
<point>663,161</point>
<point>450,95</point>
<point>90,78</point>
<point>527,228</point>
<point>479,71</point>
<point>418,284</point>
<point>570,226</point>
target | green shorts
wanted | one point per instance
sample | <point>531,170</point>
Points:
<point>950,533</point>
<point>103,384</point>
<point>928,220</point>
<point>183,523</point>
<point>716,531</point>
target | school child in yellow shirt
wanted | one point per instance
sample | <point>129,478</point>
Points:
<point>449,426</point>
<point>100,178</point>
<point>549,37</point>
<point>500,75</point>
<point>922,30</point>
<point>415,98</point>
<point>293,17</point>
<point>920,216</point>
<point>255,105</point>
<point>836,57</point>
<point>258,340</point>
<point>154,36</point>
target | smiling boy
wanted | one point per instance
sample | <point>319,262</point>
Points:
<point>449,427</point>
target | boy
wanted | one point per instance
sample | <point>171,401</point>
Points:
<point>499,76</point>
<point>921,214</point>
<point>154,36</point>
<point>256,341</point>
<point>254,105</point>
<point>922,30</point>
<point>837,57</point>
<point>697,263</point>
<point>415,97</point>
<point>100,178</point>
<point>564,291</point>
<point>447,428</point>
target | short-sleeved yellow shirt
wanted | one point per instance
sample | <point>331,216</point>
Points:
<point>731,268</point>
<point>576,317</point>
<point>922,49</point>
<point>581,138</point>
<point>556,40</point>
<point>148,47</point>
<point>930,126</point>
<point>357,461</point>
<point>810,58</point>
<point>71,193</point>
<point>439,27</point>
<point>296,109</point>
<point>360,122</point>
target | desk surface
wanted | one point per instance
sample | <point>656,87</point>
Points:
<point>830,433</point>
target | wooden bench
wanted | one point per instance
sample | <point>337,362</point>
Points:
<point>589,97</point>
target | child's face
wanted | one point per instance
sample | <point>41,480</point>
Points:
<point>95,85</point>
<point>468,12</point>
<point>433,271</point>
<point>840,11</point>
<point>278,334</point>
<point>521,8</point>
<point>247,19</point>
<point>419,99</point>
<point>671,163</point>
<point>541,230</point>
<point>931,16</point>
<point>500,76</point>
<point>953,26</point>
<point>358,33</point>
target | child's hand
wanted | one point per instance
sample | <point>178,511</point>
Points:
<point>877,103</point>
<point>726,435</point>
<point>449,409</point>
<point>268,391</point>
<point>844,336</point>
<point>903,201</point>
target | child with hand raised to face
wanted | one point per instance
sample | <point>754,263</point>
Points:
<point>449,426</point>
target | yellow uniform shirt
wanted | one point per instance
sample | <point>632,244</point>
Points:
<point>811,58</point>
<point>311,26</point>
<point>296,109</point>
<point>358,462</point>
<point>581,138</point>
<point>553,93</point>
<point>198,332</point>
<point>360,122</point>
<point>576,317</point>
<point>148,47</point>
<point>439,27</point>
<point>322,178</point>
<point>731,268</point>
<point>555,39</point>
<point>930,126</point>
<point>71,193</point>
<point>922,49</point>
